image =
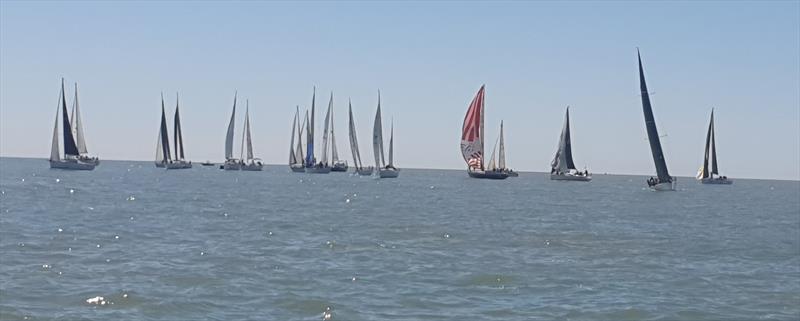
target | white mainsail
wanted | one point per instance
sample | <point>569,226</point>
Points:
<point>492,165</point>
<point>502,159</point>
<point>77,125</point>
<point>377,137</point>
<point>292,153</point>
<point>54,148</point>
<point>325,132</point>
<point>334,153</point>
<point>248,138</point>
<point>354,139</point>
<point>229,136</point>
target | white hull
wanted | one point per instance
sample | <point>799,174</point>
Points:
<point>297,168</point>
<point>318,170</point>
<point>717,181</point>
<point>179,165</point>
<point>668,186</point>
<point>252,167</point>
<point>388,173</point>
<point>570,177</point>
<point>72,164</point>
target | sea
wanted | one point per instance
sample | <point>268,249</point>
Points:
<point>129,241</point>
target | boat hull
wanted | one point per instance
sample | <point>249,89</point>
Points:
<point>318,170</point>
<point>207,164</point>
<point>252,167</point>
<point>512,174</point>
<point>339,167</point>
<point>487,175</point>
<point>569,177</point>
<point>179,165</point>
<point>298,168</point>
<point>663,187</point>
<point>365,171</point>
<point>717,181</point>
<point>72,165</point>
<point>160,165</point>
<point>388,173</point>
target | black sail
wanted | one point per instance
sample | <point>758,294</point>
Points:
<point>178,134</point>
<point>70,148</point>
<point>706,172</point>
<point>652,132</point>
<point>164,134</point>
<point>568,144</point>
<point>714,169</point>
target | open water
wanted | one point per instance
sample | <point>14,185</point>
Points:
<point>205,244</point>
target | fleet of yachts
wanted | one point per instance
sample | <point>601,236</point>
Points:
<point>303,152</point>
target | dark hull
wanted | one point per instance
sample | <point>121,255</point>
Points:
<point>487,175</point>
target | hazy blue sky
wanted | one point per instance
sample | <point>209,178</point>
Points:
<point>428,60</point>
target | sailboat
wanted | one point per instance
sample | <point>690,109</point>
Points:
<point>75,154</point>
<point>338,165</point>
<point>296,159</point>
<point>385,170</point>
<point>312,166</point>
<point>231,163</point>
<point>562,168</point>
<point>663,181</point>
<point>249,163</point>
<point>472,140</point>
<point>502,162</point>
<point>706,174</point>
<point>360,169</point>
<point>163,157</point>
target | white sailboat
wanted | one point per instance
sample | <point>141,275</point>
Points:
<point>384,170</point>
<point>502,162</point>
<point>74,157</point>
<point>179,162</point>
<point>472,140</point>
<point>562,168</point>
<point>707,172</point>
<point>663,181</point>
<point>296,160</point>
<point>360,169</point>
<point>231,163</point>
<point>312,166</point>
<point>249,163</point>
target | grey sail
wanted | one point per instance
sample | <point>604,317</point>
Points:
<point>568,143</point>
<point>501,163</point>
<point>334,153</point>
<point>292,154</point>
<point>354,139</point>
<point>310,133</point>
<point>229,135</point>
<point>714,169</point>
<point>164,134</point>
<point>391,145</point>
<point>652,132</point>
<point>178,134</point>
<point>299,151</point>
<point>248,138</point>
<point>706,155</point>
<point>78,125</point>
<point>70,148</point>
<point>560,162</point>
<point>54,148</point>
<point>325,132</point>
<point>377,137</point>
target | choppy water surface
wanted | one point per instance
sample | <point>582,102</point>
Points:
<point>431,245</point>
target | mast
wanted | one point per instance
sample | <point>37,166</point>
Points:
<point>310,133</point>
<point>78,125</point>
<point>229,135</point>
<point>377,137</point>
<point>178,134</point>
<point>70,148</point>
<point>164,134</point>
<point>502,161</point>
<point>353,138</point>
<point>325,131</point>
<point>652,131</point>
<point>292,155</point>
<point>472,132</point>
<point>247,130</point>
<point>391,144</point>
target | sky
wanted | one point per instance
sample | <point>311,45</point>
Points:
<point>428,59</point>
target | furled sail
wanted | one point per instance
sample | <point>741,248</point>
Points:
<point>78,125</point>
<point>652,132</point>
<point>310,133</point>
<point>178,134</point>
<point>164,134</point>
<point>229,135</point>
<point>502,158</point>
<point>472,132</point>
<point>292,154</point>
<point>70,148</point>
<point>377,137</point>
<point>325,132</point>
<point>354,139</point>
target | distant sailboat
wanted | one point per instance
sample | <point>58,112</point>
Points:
<point>472,141</point>
<point>385,170</point>
<point>312,166</point>
<point>75,156</point>
<point>296,161</point>
<point>562,168</point>
<point>180,161</point>
<point>360,169</point>
<point>337,165</point>
<point>709,168</point>
<point>502,160</point>
<point>163,156</point>
<point>77,130</point>
<point>249,163</point>
<point>663,182</point>
<point>231,163</point>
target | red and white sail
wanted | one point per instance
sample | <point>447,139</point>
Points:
<point>472,132</point>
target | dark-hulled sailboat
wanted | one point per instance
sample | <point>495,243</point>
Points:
<point>472,141</point>
<point>562,168</point>
<point>663,181</point>
<point>707,172</point>
<point>75,154</point>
